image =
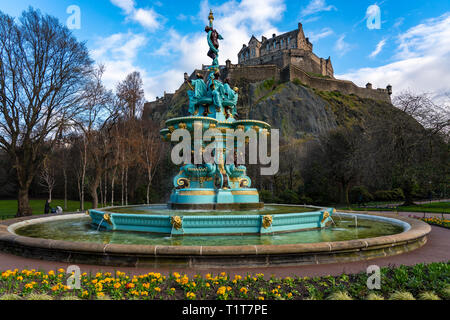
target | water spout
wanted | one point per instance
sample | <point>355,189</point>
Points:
<point>100,224</point>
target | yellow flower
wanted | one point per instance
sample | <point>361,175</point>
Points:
<point>158,289</point>
<point>51,273</point>
<point>19,278</point>
<point>289,295</point>
<point>221,291</point>
<point>208,285</point>
<point>100,294</point>
<point>61,270</point>
<point>117,285</point>
<point>190,295</point>
<point>260,298</point>
<point>243,290</point>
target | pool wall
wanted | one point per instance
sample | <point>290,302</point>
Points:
<point>212,225</point>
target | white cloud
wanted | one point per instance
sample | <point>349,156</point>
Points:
<point>316,36</point>
<point>125,5</point>
<point>316,6</point>
<point>422,61</point>
<point>148,18</point>
<point>342,47</point>
<point>235,21</point>
<point>378,49</point>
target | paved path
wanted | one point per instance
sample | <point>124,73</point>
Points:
<point>437,249</point>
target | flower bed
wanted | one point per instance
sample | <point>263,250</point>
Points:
<point>433,278</point>
<point>437,222</point>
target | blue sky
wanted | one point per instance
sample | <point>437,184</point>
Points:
<point>163,39</point>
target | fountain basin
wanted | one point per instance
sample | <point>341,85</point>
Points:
<point>211,255</point>
<point>212,224</point>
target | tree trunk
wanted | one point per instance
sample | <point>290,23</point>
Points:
<point>65,187</point>
<point>93,191</point>
<point>126,186</point>
<point>23,203</point>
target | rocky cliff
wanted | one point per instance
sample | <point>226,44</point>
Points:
<point>294,108</point>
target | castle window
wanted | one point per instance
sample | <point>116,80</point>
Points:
<point>253,52</point>
<point>289,41</point>
<point>267,47</point>
<point>281,43</point>
<point>274,45</point>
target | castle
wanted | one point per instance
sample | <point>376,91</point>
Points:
<point>284,58</point>
<point>291,48</point>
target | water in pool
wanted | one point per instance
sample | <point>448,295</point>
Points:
<point>80,230</point>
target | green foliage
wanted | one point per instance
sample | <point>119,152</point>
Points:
<point>401,295</point>
<point>289,197</point>
<point>374,296</point>
<point>360,194</point>
<point>428,295</point>
<point>389,195</point>
<point>339,295</point>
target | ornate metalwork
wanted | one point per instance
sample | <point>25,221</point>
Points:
<point>326,215</point>
<point>176,222</point>
<point>267,222</point>
<point>183,183</point>
<point>107,218</point>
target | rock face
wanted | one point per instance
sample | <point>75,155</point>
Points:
<point>297,110</point>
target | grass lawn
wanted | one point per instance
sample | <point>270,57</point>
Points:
<point>434,207</point>
<point>9,207</point>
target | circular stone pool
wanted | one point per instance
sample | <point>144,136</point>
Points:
<point>72,238</point>
<point>81,230</point>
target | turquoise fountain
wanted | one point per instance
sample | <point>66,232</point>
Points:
<point>215,185</point>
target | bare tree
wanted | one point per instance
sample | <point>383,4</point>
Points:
<point>432,116</point>
<point>47,177</point>
<point>131,92</point>
<point>95,120</point>
<point>42,67</point>
<point>150,155</point>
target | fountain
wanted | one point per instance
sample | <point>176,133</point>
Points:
<point>221,184</point>
<point>214,217</point>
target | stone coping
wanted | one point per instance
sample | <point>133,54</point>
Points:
<point>211,256</point>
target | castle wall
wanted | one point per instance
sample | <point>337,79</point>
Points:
<point>291,73</point>
<point>253,73</point>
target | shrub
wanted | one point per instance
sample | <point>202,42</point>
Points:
<point>360,193</point>
<point>10,297</point>
<point>428,295</point>
<point>375,296</point>
<point>306,200</point>
<point>289,197</point>
<point>339,295</point>
<point>401,295</point>
<point>266,196</point>
<point>383,195</point>
<point>35,296</point>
